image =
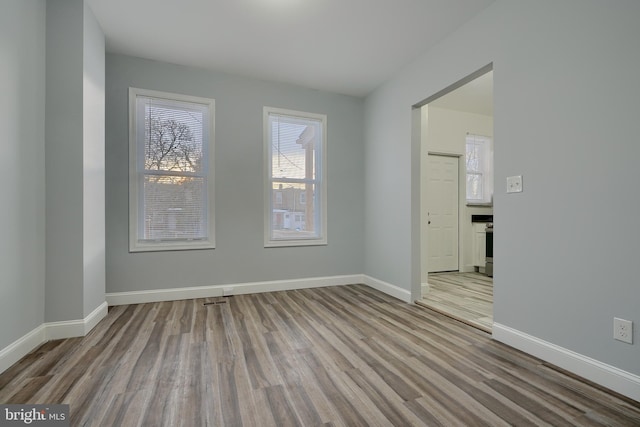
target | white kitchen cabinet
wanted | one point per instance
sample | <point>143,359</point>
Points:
<point>478,245</point>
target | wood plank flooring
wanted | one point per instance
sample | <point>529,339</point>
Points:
<point>467,297</point>
<point>336,356</point>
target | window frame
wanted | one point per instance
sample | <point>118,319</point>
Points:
<point>485,171</point>
<point>136,174</point>
<point>319,182</point>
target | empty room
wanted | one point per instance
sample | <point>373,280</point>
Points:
<point>214,213</point>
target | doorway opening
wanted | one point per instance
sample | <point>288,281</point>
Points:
<point>456,203</point>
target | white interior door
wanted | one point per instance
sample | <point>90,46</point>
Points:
<point>442,218</point>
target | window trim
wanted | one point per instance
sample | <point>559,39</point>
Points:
<point>320,180</point>
<point>136,245</point>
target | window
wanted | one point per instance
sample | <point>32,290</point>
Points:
<point>295,184</point>
<point>170,171</point>
<point>479,159</point>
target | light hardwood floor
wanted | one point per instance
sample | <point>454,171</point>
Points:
<point>337,356</point>
<point>467,297</point>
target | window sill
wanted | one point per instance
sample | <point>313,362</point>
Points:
<point>294,243</point>
<point>480,205</point>
<point>165,246</point>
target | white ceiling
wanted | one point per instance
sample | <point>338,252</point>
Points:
<point>344,46</point>
<point>474,97</point>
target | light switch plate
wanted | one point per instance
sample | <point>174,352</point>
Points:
<point>514,184</point>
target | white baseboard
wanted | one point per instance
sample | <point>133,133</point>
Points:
<point>173,294</point>
<point>50,331</point>
<point>95,317</point>
<point>388,288</point>
<point>76,328</point>
<point>616,379</point>
<point>21,347</point>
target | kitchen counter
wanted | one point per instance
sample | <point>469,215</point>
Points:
<point>481,218</point>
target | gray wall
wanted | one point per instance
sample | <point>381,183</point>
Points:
<point>239,256</point>
<point>75,272</point>
<point>63,155</point>
<point>566,110</point>
<point>22,85</point>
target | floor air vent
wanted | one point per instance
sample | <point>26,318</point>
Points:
<point>224,301</point>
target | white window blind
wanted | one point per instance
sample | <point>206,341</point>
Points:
<point>479,163</point>
<point>295,193</point>
<point>171,182</point>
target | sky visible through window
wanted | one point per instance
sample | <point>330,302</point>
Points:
<point>288,158</point>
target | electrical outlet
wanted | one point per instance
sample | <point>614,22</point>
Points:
<point>623,330</point>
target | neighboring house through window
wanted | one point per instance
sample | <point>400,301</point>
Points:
<point>170,172</point>
<point>295,184</point>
